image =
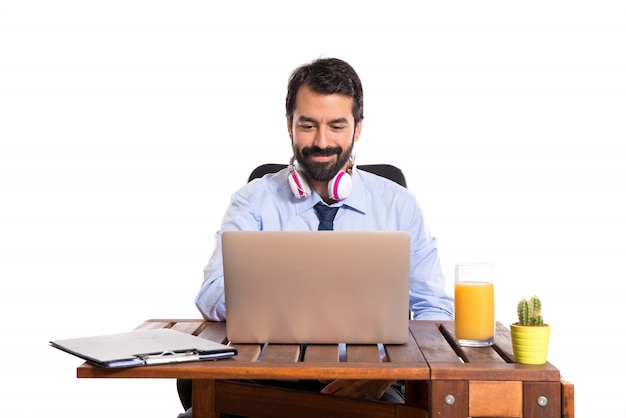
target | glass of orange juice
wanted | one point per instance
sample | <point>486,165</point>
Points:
<point>474,320</point>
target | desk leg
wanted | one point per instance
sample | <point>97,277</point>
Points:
<point>417,393</point>
<point>449,398</point>
<point>542,399</point>
<point>203,398</point>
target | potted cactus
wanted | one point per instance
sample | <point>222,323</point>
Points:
<point>530,335</point>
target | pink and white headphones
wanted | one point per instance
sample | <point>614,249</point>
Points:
<point>338,188</point>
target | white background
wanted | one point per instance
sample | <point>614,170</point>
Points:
<point>126,125</point>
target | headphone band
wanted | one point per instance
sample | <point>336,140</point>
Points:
<point>338,188</point>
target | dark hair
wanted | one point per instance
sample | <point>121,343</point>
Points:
<point>326,76</point>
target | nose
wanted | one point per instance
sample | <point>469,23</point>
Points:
<point>321,139</point>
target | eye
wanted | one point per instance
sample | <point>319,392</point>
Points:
<point>337,127</point>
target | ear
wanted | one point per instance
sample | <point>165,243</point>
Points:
<point>290,130</point>
<point>357,130</point>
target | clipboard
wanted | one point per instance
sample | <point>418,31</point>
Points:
<point>143,348</point>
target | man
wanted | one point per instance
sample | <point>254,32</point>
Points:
<point>324,119</point>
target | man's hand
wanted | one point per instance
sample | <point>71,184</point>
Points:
<point>358,389</point>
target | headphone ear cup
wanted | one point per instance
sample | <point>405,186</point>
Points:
<point>299,186</point>
<point>340,186</point>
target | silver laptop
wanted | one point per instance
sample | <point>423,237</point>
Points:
<point>324,287</point>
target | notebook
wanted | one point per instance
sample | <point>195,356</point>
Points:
<point>316,286</point>
<point>143,347</point>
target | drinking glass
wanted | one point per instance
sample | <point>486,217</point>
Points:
<point>474,320</point>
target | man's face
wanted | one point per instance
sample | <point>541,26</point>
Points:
<point>322,133</point>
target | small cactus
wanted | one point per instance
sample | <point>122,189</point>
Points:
<point>529,312</point>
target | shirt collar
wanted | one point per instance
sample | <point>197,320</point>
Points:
<point>357,199</point>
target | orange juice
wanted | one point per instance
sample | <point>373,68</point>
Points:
<point>474,313</point>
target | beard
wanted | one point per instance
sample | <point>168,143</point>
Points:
<point>322,171</point>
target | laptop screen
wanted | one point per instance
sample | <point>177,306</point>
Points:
<point>316,286</point>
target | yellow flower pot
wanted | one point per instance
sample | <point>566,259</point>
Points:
<point>530,343</point>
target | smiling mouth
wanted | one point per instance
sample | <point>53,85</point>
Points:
<point>319,152</point>
<point>321,158</point>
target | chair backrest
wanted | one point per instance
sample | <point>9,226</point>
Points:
<point>388,171</point>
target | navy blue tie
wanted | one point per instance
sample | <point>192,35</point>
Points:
<point>326,214</point>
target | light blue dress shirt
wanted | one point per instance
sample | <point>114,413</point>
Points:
<point>374,203</point>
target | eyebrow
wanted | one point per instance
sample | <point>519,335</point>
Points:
<point>309,119</point>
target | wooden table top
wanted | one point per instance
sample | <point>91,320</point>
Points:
<point>431,353</point>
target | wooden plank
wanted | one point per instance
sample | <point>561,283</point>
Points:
<point>495,371</point>
<point>214,331</point>
<point>247,353</point>
<point>495,399</point>
<point>237,369</point>
<point>567,399</point>
<point>154,325</point>
<point>189,327</point>
<point>481,355</point>
<point>174,320</point>
<point>273,402</point>
<point>449,398</point>
<point>363,353</point>
<point>416,393</point>
<point>431,342</point>
<point>469,354</point>
<point>203,399</point>
<point>281,353</point>
<point>404,353</point>
<point>542,399</point>
<point>502,342</point>
<point>321,353</point>
<point>404,411</point>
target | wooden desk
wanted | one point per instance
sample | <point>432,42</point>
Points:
<point>448,380</point>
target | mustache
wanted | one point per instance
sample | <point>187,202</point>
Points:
<point>319,152</point>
